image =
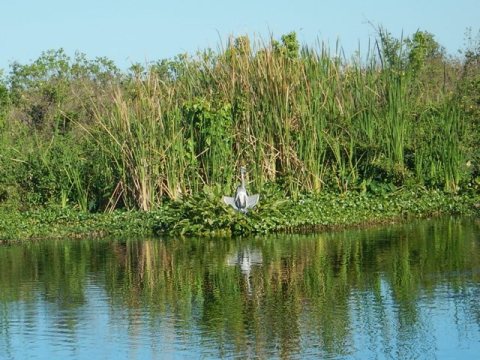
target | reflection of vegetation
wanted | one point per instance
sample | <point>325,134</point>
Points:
<point>306,288</point>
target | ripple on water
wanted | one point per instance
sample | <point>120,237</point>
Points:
<point>293,298</point>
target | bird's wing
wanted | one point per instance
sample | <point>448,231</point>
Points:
<point>230,201</point>
<point>252,200</point>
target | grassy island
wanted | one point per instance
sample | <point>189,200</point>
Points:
<point>89,149</point>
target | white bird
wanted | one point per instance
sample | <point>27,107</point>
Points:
<point>242,201</point>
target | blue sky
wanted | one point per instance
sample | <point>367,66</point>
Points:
<point>147,30</point>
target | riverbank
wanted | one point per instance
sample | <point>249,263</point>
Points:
<point>82,133</point>
<point>206,216</point>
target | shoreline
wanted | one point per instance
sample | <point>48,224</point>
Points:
<point>204,216</point>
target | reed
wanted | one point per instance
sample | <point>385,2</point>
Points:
<point>307,120</point>
<point>135,134</point>
<point>303,119</point>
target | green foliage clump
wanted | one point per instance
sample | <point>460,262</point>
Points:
<point>289,47</point>
<point>205,215</point>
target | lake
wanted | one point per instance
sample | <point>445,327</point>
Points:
<point>400,291</point>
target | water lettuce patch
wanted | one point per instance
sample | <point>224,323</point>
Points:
<point>205,215</point>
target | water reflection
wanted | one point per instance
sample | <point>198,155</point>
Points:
<point>399,292</point>
<point>245,258</point>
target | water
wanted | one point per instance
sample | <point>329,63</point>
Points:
<point>400,292</point>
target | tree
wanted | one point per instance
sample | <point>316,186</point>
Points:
<point>421,48</point>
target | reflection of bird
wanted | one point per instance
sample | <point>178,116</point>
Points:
<point>242,201</point>
<point>246,259</point>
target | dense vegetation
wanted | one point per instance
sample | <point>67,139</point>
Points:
<point>202,215</point>
<point>81,133</point>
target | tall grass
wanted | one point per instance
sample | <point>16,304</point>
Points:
<point>140,143</point>
<point>303,120</point>
<point>440,156</point>
<point>306,120</point>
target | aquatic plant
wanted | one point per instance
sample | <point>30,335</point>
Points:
<point>306,119</point>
